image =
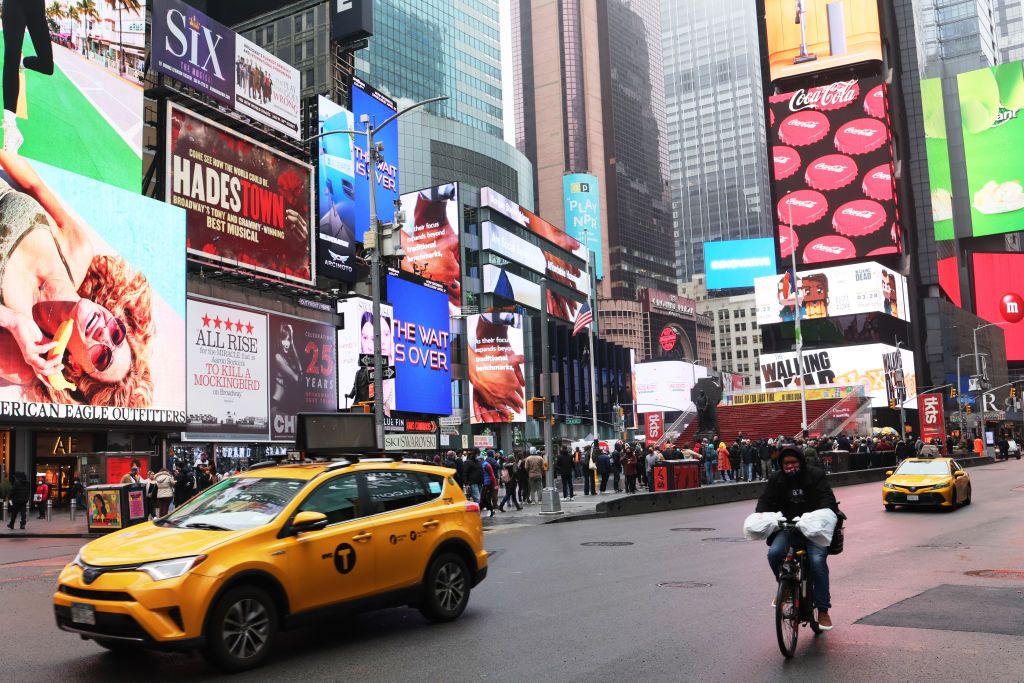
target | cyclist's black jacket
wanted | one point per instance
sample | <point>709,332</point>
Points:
<point>797,495</point>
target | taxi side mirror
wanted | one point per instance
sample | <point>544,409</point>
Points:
<point>308,521</point>
<point>889,473</point>
<point>959,473</point>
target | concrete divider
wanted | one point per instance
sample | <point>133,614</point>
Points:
<point>730,493</point>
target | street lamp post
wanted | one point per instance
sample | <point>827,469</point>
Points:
<point>959,393</point>
<point>977,372</point>
<point>903,412</point>
<point>373,154</point>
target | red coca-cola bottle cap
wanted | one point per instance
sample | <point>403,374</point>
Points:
<point>884,251</point>
<point>831,172</point>
<point>802,207</point>
<point>861,136</point>
<point>786,161</point>
<point>874,103</point>
<point>859,217</point>
<point>878,183</point>
<point>788,241</point>
<point>829,248</point>
<point>803,128</point>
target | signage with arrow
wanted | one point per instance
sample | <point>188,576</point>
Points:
<point>389,371</point>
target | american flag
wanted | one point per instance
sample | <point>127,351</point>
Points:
<point>583,319</point>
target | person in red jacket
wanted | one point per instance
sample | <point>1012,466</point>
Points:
<point>42,495</point>
<point>629,468</point>
<point>724,466</point>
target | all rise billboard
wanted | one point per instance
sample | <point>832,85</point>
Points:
<point>247,205</point>
<point>582,196</point>
<point>830,292</point>
<point>805,36</point>
<point>113,302</point>
<point>940,179</point>
<point>378,107</point>
<point>430,238</point>
<point>732,264</point>
<point>990,103</point>
<point>336,237</point>
<point>495,361</point>
<point>832,171</point>
<point>999,297</point>
<point>206,55</point>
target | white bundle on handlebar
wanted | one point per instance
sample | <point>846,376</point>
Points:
<point>818,526</point>
<point>760,525</point>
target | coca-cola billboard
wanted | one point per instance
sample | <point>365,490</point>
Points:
<point>832,172</point>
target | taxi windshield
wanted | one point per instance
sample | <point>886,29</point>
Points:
<point>928,467</point>
<point>235,504</point>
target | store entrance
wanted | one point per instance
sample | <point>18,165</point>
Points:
<point>59,474</point>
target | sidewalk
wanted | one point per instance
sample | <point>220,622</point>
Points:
<point>60,526</point>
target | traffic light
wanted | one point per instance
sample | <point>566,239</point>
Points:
<point>535,408</point>
<point>1013,391</point>
<point>952,392</point>
<point>892,403</point>
<point>968,408</point>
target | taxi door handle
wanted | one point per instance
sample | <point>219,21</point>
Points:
<point>429,524</point>
<point>363,537</point>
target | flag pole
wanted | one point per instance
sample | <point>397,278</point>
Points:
<point>797,334</point>
<point>592,302</point>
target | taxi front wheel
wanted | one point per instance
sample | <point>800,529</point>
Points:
<point>446,590</point>
<point>241,629</point>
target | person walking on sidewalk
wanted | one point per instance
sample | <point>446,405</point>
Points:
<point>132,476</point>
<point>474,474</point>
<point>535,471</point>
<point>749,456</point>
<point>724,466</point>
<point>184,486</point>
<point>629,468</point>
<point>164,491</point>
<point>41,496</point>
<point>510,478</point>
<point>616,456</point>
<point>522,479</point>
<point>589,469</point>
<point>20,493</point>
<point>764,452</point>
<point>564,468</point>
<point>604,469</point>
<point>710,461</point>
<point>653,458</point>
<point>489,490</point>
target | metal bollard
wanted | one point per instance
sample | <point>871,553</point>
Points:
<point>49,510</point>
<point>74,508</point>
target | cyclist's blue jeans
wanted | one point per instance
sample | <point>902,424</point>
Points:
<point>816,562</point>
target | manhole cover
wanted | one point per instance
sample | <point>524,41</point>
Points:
<point>1013,574</point>
<point>693,528</point>
<point>684,584</point>
<point>606,544</point>
<point>726,539</point>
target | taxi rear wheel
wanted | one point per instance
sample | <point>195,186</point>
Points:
<point>241,629</point>
<point>446,590</point>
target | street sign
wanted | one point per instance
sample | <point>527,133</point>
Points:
<point>573,420</point>
<point>389,372</point>
<point>483,440</point>
<point>410,442</point>
<point>451,421</point>
<point>366,360</point>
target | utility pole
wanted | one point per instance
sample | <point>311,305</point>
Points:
<point>797,334</point>
<point>591,338</point>
<point>550,504</point>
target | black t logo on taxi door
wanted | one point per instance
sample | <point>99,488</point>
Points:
<point>344,558</point>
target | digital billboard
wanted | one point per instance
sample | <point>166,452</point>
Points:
<point>532,222</point>
<point>355,339</point>
<point>74,109</point>
<point>202,53</point>
<point>732,264</point>
<point>495,362</point>
<point>100,272</point>
<point>379,107</point>
<point>805,36</point>
<point>422,347</point>
<point>336,235</point>
<point>830,292</point>
<point>302,376</point>
<point>508,285</point>
<point>990,101</point>
<point>940,180</point>
<point>582,196</point>
<point>247,205</point>
<point>430,238</point>
<point>832,172</point>
<point>885,372</point>
<point>518,250</point>
<point>999,297</point>
<point>665,385</point>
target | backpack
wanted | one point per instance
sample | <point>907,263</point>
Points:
<point>836,546</point>
<point>504,475</point>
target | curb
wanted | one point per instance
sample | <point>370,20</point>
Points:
<point>31,534</point>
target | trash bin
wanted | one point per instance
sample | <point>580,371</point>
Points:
<point>684,474</point>
<point>661,476</point>
<point>110,507</point>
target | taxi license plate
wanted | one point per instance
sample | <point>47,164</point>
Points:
<point>911,496</point>
<point>83,614</point>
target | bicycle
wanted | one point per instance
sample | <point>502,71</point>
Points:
<point>794,602</point>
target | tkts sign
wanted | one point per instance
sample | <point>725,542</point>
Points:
<point>655,426</point>
<point>933,424</point>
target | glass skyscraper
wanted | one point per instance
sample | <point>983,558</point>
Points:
<point>717,153</point>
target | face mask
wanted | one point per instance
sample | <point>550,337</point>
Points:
<point>791,472</point>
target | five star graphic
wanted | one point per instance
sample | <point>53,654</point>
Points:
<point>228,324</point>
<point>217,322</point>
<point>249,328</point>
<point>238,326</point>
<point>206,320</point>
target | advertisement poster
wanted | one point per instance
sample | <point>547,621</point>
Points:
<point>355,339</point>
<point>732,264</point>
<point>886,373</point>
<point>655,427</point>
<point>518,250</point>
<point>248,206</point>
<point>497,385</point>
<point>105,509</point>
<point>940,180</point>
<point>430,238</point>
<point>379,107</point>
<point>114,266</point>
<point>665,386</point>
<point>830,292</point>
<point>204,54</point>
<point>832,172</point>
<point>136,504</point>
<point>760,398</point>
<point>336,237</point>
<point>510,286</point>
<point>532,222</point>
<point>805,36</point>
<point>227,373</point>
<point>999,297</point>
<point>119,466</point>
<point>82,113</point>
<point>422,347</point>
<point>990,105</point>
<point>302,373</point>
<point>933,422</point>
<point>582,197</point>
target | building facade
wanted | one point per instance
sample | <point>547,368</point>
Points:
<point>736,339</point>
<point>718,164</point>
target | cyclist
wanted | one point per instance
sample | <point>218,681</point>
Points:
<point>797,488</point>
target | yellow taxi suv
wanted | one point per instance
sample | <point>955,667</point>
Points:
<point>939,482</point>
<point>273,547</point>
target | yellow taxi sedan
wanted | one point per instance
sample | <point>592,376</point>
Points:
<point>272,548</point>
<point>940,482</point>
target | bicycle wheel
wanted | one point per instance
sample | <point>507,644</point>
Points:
<point>787,617</point>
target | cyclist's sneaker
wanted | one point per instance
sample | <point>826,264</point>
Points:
<point>824,621</point>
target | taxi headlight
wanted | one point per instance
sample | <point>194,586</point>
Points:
<point>171,569</point>
<point>943,485</point>
<point>78,562</point>
<point>887,485</point>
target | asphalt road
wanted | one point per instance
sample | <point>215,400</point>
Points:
<point>553,609</point>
